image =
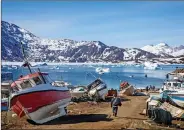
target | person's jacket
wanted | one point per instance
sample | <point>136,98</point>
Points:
<point>115,102</point>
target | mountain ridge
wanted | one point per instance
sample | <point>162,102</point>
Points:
<point>65,50</point>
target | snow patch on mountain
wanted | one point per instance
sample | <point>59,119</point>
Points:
<point>163,49</point>
<point>67,50</point>
<point>178,53</point>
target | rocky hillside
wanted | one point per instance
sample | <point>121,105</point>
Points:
<point>65,50</point>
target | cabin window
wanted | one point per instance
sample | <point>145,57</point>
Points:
<point>182,85</point>
<point>169,84</point>
<point>175,84</point>
<point>179,85</point>
<point>37,80</point>
<point>25,84</point>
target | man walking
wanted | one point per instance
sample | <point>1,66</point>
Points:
<point>115,102</point>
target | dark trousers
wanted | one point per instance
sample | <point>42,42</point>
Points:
<point>115,110</point>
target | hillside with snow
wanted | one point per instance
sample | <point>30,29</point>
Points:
<point>164,50</point>
<point>67,50</point>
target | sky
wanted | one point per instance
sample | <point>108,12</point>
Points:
<point>118,23</point>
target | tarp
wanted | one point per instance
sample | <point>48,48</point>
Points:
<point>175,111</point>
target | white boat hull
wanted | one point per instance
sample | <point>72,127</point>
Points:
<point>49,112</point>
<point>129,91</point>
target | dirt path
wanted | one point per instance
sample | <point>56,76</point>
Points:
<point>99,116</point>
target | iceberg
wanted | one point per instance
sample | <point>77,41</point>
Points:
<point>151,66</point>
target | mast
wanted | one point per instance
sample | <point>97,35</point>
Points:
<point>25,59</point>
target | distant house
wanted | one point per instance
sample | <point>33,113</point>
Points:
<point>178,72</point>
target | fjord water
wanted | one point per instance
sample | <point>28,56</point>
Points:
<point>82,74</point>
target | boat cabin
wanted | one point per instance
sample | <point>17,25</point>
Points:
<point>173,84</point>
<point>95,84</point>
<point>29,81</point>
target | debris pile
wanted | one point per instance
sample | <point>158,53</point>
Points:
<point>162,109</point>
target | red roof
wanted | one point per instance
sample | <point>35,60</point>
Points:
<point>29,76</point>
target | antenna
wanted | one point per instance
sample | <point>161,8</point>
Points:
<point>25,59</point>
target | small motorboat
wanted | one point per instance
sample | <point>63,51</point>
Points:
<point>97,89</point>
<point>60,83</point>
<point>78,92</point>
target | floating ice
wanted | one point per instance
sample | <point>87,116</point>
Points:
<point>150,66</point>
<point>101,70</point>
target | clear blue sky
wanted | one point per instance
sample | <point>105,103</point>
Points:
<point>123,24</point>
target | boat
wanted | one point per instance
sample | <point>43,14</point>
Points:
<point>97,89</point>
<point>4,95</point>
<point>5,85</point>
<point>78,92</point>
<point>4,104</point>
<point>33,95</point>
<point>111,92</point>
<point>60,83</point>
<point>126,89</point>
<point>174,87</point>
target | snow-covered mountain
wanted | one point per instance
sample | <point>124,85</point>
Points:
<point>66,50</point>
<point>164,50</point>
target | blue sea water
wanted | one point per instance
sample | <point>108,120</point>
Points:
<point>178,98</point>
<point>79,74</point>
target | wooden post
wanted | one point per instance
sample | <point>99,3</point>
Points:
<point>147,108</point>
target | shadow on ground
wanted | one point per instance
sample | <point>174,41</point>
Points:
<point>73,119</point>
<point>134,118</point>
<point>123,99</point>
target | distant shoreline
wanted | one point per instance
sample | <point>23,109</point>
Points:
<point>70,63</point>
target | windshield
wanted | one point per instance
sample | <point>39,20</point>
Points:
<point>25,84</point>
<point>37,80</point>
<point>177,84</point>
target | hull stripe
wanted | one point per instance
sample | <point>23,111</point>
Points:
<point>34,100</point>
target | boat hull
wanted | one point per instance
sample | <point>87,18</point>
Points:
<point>49,112</point>
<point>129,91</point>
<point>37,104</point>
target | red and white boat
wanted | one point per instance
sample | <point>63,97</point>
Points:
<point>33,95</point>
